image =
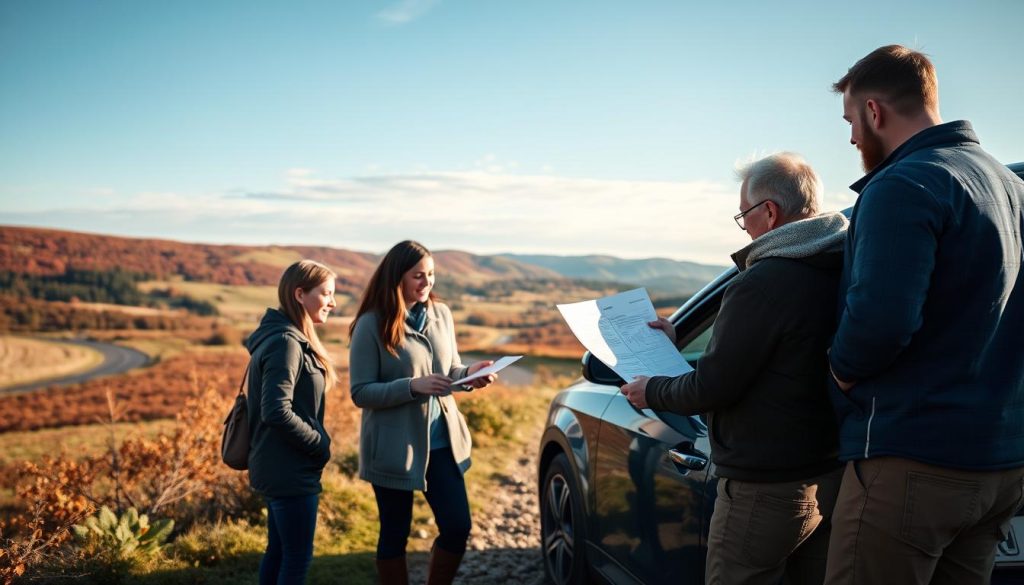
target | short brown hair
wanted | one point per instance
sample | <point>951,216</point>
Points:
<point>900,76</point>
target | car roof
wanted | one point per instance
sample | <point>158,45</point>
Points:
<point>1017,168</point>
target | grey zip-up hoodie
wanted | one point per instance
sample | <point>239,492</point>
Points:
<point>288,445</point>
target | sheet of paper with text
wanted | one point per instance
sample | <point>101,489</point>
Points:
<point>494,368</point>
<point>615,330</point>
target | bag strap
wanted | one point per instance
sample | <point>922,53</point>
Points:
<point>241,385</point>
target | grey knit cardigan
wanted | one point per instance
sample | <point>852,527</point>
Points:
<point>394,438</point>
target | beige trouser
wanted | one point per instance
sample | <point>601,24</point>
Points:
<point>762,532</point>
<point>903,522</point>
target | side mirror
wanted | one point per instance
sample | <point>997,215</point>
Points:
<point>594,370</point>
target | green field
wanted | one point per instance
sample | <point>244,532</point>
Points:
<point>238,302</point>
<point>271,256</point>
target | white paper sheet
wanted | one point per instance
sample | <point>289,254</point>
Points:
<point>615,330</point>
<point>494,368</point>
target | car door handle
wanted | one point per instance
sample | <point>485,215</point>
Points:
<point>688,460</point>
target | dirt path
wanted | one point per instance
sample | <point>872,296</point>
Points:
<point>116,359</point>
<point>505,545</point>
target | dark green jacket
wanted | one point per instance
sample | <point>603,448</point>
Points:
<point>762,380</point>
<point>289,446</point>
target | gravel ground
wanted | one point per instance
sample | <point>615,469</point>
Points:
<point>505,544</point>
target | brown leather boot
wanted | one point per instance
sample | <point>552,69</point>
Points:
<point>393,571</point>
<point>443,566</point>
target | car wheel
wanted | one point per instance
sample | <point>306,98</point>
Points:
<point>562,529</point>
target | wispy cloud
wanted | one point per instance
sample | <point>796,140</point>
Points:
<point>477,211</point>
<point>405,11</point>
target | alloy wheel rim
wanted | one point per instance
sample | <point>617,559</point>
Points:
<point>560,533</point>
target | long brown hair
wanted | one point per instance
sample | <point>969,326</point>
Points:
<point>383,295</point>
<point>306,275</point>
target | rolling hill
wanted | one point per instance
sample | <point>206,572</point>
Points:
<point>662,274</point>
<point>43,251</point>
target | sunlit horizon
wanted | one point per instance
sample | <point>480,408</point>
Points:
<point>534,128</point>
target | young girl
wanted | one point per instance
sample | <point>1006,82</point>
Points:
<point>402,363</point>
<point>289,373</point>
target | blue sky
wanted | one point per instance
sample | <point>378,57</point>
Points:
<point>554,127</point>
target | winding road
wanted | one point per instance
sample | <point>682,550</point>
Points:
<point>116,359</point>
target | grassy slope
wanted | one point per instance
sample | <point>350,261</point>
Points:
<point>503,421</point>
<point>231,300</point>
<point>229,553</point>
<point>24,360</point>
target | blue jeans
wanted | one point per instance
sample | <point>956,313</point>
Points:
<point>446,494</point>
<point>291,523</point>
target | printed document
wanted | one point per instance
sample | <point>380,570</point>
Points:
<point>614,329</point>
<point>494,368</point>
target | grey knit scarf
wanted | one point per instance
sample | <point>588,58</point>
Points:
<point>799,239</point>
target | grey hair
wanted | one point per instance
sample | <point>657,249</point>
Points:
<point>785,178</point>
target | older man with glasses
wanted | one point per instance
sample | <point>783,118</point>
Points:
<point>762,383</point>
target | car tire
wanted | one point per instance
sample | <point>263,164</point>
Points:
<point>562,525</point>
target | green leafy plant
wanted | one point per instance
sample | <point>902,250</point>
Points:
<point>121,538</point>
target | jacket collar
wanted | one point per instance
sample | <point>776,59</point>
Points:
<point>959,131</point>
<point>274,322</point>
<point>799,239</point>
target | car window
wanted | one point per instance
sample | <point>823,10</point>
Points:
<point>696,341</point>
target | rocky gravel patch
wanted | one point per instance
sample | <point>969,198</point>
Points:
<point>505,544</point>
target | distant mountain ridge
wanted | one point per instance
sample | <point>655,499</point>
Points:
<point>662,274</point>
<point>44,251</point>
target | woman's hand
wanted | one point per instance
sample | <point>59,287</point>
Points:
<point>666,326</point>
<point>432,385</point>
<point>482,381</point>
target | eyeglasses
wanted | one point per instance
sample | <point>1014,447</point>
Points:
<point>738,218</point>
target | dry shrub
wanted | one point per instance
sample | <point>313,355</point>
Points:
<point>175,475</point>
<point>53,491</point>
<point>37,543</point>
<point>151,393</point>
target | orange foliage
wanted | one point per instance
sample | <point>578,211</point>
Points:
<point>24,315</point>
<point>554,340</point>
<point>156,392</point>
<point>46,251</point>
<point>177,474</point>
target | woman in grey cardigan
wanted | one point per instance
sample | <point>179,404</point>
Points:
<point>403,360</point>
<point>289,373</point>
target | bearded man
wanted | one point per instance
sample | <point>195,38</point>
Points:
<point>928,359</point>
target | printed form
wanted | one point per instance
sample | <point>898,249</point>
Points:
<point>615,330</point>
<point>494,368</point>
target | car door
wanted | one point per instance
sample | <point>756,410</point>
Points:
<point>652,498</point>
<point>649,496</point>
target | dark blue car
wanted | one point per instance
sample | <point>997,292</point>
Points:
<point>626,495</point>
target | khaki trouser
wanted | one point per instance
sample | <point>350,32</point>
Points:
<point>903,522</point>
<point>762,532</point>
